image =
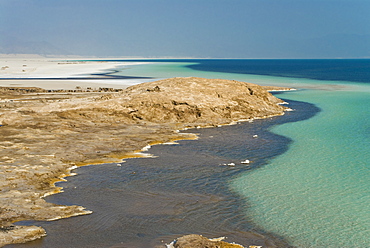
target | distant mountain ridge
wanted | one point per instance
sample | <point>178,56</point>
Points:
<point>340,45</point>
<point>12,45</point>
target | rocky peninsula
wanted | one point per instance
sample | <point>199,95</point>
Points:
<point>44,135</point>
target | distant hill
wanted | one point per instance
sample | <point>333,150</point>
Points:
<point>11,45</point>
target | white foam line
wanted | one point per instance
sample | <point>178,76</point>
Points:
<point>282,90</point>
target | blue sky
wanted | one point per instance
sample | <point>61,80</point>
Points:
<point>187,28</point>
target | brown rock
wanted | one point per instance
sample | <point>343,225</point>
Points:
<point>198,241</point>
<point>17,234</point>
<point>199,100</point>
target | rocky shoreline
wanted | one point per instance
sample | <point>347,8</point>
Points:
<point>46,134</point>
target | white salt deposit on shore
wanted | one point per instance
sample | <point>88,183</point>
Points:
<point>19,69</point>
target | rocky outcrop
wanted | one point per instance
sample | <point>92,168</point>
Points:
<point>42,137</point>
<point>197,100</point>
<point>198,241</point>
<point>20,234</point>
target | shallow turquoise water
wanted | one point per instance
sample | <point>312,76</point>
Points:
<point>317,194</point>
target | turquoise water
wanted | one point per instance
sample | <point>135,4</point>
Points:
<point>317,193</point>
<point>180,69</point>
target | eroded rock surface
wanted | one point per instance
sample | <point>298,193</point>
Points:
<point>43,136</point>
<point>198,241</point>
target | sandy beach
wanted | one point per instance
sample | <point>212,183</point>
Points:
<point>45,135</point>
